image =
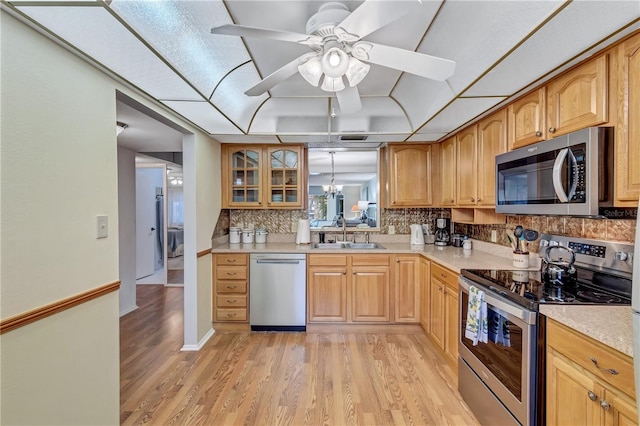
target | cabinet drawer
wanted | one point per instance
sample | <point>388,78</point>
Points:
<point>231,272</point>
<point>370,260</point>
<point>231,301</point>
<point>444,275</point>
<point>327,259</point>
<point>593,356</point>
<point>231,286</point>
<point>231,259</point>
<point>231,314</point>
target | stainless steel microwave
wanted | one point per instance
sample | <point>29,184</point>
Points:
<point>568,175</point>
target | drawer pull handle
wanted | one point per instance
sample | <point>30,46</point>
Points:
<point>608,370</point>
<point>231,260</point>
<point>231,273</point>
<point>592,396</point>
<point>231,286</point>
<point>232,301</point>
<point>232,315</point>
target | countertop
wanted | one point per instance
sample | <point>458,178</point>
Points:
<point>610,325</point>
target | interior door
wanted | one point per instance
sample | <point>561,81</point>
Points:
<point>145,223</point>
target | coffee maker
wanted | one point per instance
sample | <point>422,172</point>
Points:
<point>442,233</point>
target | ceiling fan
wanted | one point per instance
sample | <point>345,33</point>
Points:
<point>334,34</point>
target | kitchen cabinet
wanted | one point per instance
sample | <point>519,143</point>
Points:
<point>410,175</point>
<point>443,311</point>
<point>448,172</point>
<point>578,98</point>
<point>526,119</point>
<point>581,386</point>
<point>348,288</point>
<point>230,287</point>
<point>263,176</point>
<point>425,278</point>
<point>627,138</point>
<point>467,166</point>
<point>407,288</point>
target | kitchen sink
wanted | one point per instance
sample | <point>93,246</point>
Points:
<point>348,245</point>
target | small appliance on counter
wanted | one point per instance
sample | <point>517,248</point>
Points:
<point>235,232</point>
<point>443,233</point>
<point>416,234</point>
<point>303,234</point>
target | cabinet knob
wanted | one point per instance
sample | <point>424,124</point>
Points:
<point>452,201</point>
<point>479,199</point>
<point>354,272</point>
<point>605,405</point>
<point>552,129</point>
<point>397,260</point>
<point>473,200</point>
<point>592,396</point>
<point>538,133</point>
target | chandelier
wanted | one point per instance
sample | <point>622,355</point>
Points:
<point>333,189</point>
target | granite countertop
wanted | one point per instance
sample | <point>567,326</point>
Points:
<point>610,325</point>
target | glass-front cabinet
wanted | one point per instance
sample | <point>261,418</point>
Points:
<point>262,176</point>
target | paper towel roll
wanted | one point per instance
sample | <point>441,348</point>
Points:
<point>303,236</point>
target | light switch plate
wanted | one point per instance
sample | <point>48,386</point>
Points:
<point>494,236</point>
<point>102,224</point>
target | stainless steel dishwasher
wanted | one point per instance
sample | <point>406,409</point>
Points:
<point>278,291</point>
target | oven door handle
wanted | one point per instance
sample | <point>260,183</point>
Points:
<point>559,189</point>
<point>529,317</point>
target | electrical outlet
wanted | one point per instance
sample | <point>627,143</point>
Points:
<point>494,236</point>
<point>294,226</point>
<point>392,229</point>
<point>102,226</point>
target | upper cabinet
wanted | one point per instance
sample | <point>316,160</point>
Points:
<point>262,176</point>
<point>527,119</point>
<point>410,175</point>
<point>478,146</point>
<point>448,172</point>
<point>578,99</point>
<point>627,138</point>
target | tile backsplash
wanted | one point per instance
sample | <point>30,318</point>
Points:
<point>285,221</point>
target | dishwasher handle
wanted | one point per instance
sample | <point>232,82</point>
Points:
<point>279,261</point>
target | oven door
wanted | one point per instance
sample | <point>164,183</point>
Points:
<point>506,362</point>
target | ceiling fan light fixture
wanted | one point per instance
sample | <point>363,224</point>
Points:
<point>357,71</point>
<point>311,71</point>
<point>335,62</point>
<point>332,84</point>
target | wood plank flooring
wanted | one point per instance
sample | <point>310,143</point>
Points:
<point>316,378</point>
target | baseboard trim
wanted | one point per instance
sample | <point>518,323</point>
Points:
<point>201,343</point>
<point>129,310</point>
<point>42,312</point>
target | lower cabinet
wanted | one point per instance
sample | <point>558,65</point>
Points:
<point>348,288</point>
<point>230,287</point>
<point>587,382</point>
<point>425,279</point>
<point>406,281</point>
<point>443,310</point>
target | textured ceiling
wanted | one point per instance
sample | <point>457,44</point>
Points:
<point>165,48</point>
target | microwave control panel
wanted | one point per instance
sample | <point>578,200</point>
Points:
<point>579,174</point>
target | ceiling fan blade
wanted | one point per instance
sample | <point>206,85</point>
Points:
<point>405,60</point>
<point>374,14</point>
<point>349,99</point>
<point>245,31</point>
<point>278,76</point>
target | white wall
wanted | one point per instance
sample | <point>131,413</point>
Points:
<point>127,229</point>
<point>58,170</point>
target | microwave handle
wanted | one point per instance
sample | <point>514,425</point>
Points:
<point>557,175</point>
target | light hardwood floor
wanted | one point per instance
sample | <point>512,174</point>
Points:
<point>346,377</point>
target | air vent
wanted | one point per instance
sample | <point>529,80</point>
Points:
<point>353,138</point>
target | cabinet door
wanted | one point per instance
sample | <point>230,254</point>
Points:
<point>327,294</point>
<point>627,139</point>
<point>370,294</point>
<point>410,176</point>
<point>622,410</point>
<point>407,289</point>
<point>241,176</point>
<point>527,119</point>
<point>448,172</point>
<point>425,277</point>
<point>451,323</point>
<point>492,140</point>
<point>572,397</point>
<point>467,166</point>
<point>578,99</point>
<point>284,177</point>
<point>436,311</point>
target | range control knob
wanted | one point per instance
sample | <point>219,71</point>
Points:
<point>621,256</point>
<point>544,243</point>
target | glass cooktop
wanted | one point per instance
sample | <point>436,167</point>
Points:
<point>528,289</point>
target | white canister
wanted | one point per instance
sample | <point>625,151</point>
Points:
<point>261,236</point>
<point>247,236</point>
<point>521,260</point>
<point>234,235</point>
